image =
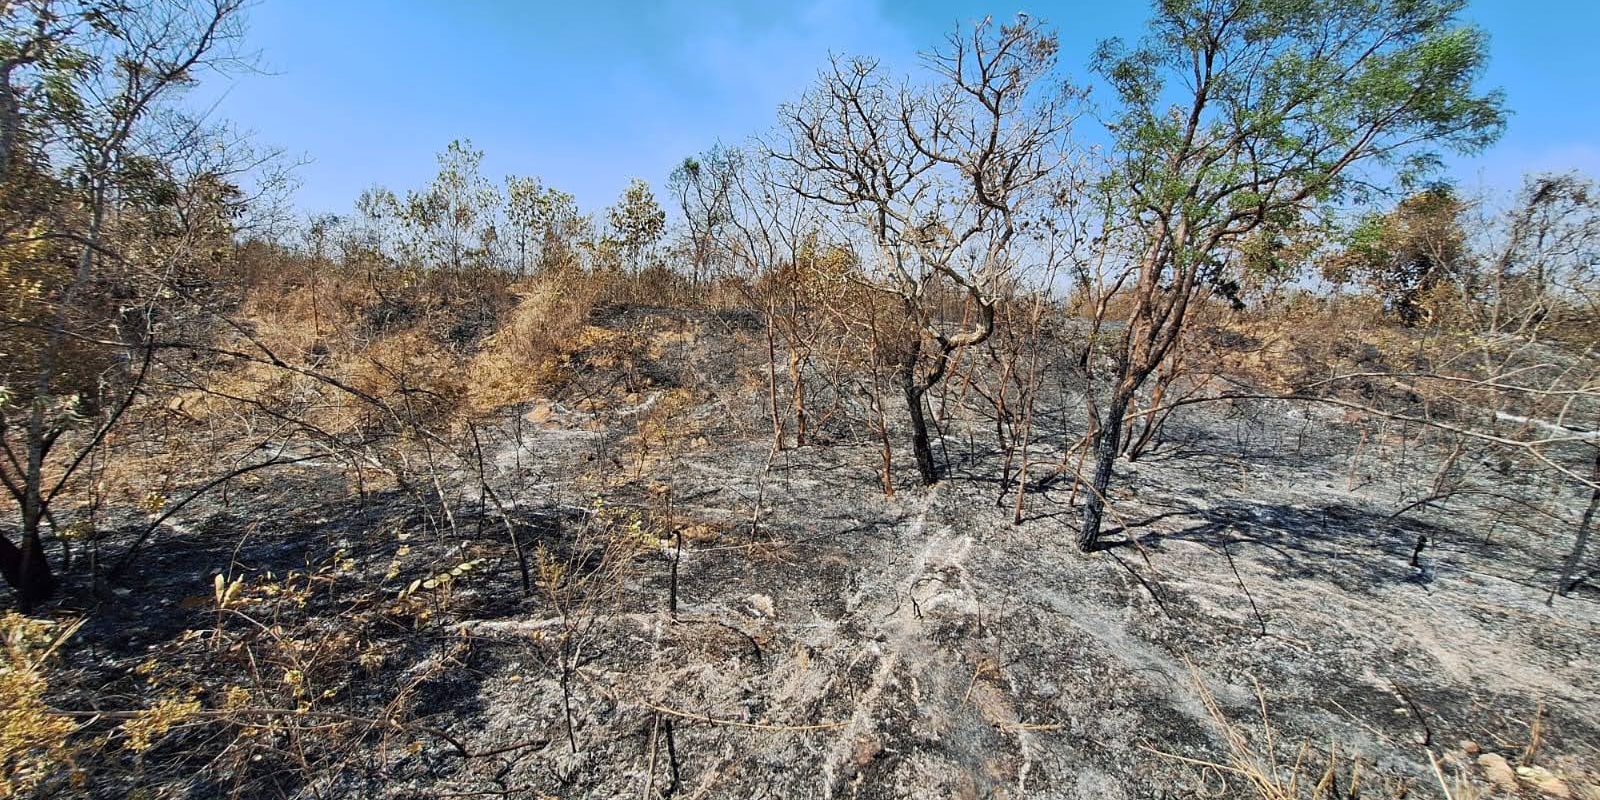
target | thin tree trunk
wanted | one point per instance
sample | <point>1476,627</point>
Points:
<point>1028,403</point>
<point>799,351</point>
<point>10,119</point>
<point>1105,458</point>
<point>877,405</point>
<point>772,377</point>
<point>921,446</point>
<point>1152,420</point>
<point>32,579</point>
<point>797,381</point>
<point>886,452</point>
<point>1564,583</point>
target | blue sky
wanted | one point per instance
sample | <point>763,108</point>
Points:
<point>588,95</point>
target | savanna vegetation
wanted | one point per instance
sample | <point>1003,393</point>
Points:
<point>888,453</point>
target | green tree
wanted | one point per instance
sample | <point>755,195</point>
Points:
<point>704,187</point>
<point>1407,253</point>
<point>450,224</point>
<point>637,223</point>
<point>522,215</point>
<point>543,223</point>
<point>1236,114</point>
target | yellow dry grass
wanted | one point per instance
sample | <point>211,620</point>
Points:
<point>526,356</point>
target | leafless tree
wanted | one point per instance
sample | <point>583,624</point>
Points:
<point>937,181</point>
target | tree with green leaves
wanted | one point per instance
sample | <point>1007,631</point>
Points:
<point>450,223</point>
<point>1407,254</point>
<point>637,223</point>
<point>543,224</point>
<point>704,187</point>
<point>1237,114</point>
<point>522,218</point>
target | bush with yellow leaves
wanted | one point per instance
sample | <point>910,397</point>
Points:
<point>144,730</point>
<point>34,746</point>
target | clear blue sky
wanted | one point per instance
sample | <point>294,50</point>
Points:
<point>588,95</point>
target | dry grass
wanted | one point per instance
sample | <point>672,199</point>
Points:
<point>526,356</point>
<point>413,375</point>
<point>1255,765</point>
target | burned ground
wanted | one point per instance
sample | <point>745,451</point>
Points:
<point>830,641</point>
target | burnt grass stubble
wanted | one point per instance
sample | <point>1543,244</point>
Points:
<point>832,642</point>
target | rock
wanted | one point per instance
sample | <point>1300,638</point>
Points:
<point>1470,747</point>
<point>1498,771</point>
<point>865,750</point>
<point>1545,781</point>
<point>760,605</point>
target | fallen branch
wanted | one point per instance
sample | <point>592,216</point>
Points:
<point>758,726</point>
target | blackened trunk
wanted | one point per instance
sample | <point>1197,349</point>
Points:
<point>1107,443</point>
<point>26,570</point>
<point>10,121</point>
<point>913,389</point>
<point>1564,583</point>
<point>920,445</point>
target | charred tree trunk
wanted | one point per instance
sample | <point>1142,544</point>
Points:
<point>1106,445</point>
<point>1564,583</point>
<point>914,387</point>
<point>10,118</point>
<point>26,569</point>
<point>921,446</point>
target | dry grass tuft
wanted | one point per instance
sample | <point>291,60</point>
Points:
<point>529,353</point>
<point>1255,762</point>
<point>412,374</point>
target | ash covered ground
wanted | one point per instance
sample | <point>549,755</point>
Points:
<point>1260,601</point>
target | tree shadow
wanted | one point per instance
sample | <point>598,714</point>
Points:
<point>1352,548</point>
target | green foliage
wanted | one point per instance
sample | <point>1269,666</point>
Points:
<point>1283,101</point>
<point>1275,255</point>
<point>113,200</point>
<point>1405,254</point>
<point>450,224</point>
<point>543,223</point>
<point>462,221</point>
<point>637,222</point>
<point>705,188</point>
